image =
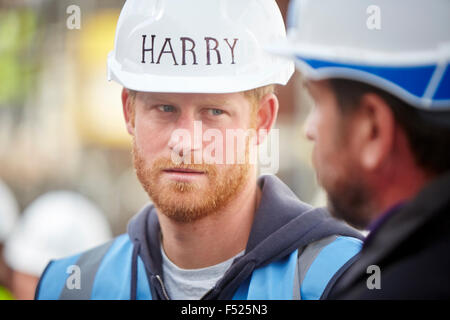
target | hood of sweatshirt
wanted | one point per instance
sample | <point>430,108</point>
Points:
<point>281,225</point>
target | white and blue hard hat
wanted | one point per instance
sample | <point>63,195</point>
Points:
<point>401,46</point>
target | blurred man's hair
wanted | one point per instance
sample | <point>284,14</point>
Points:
<point>429,142</point>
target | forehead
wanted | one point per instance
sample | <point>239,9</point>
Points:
<point>212,99</point>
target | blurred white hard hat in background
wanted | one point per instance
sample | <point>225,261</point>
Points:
<point>55,225</point>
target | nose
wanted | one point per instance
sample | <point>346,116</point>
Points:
<point>187,136</point>
<point>310,128</point>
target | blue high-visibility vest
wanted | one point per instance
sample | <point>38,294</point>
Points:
<point>105,273</point>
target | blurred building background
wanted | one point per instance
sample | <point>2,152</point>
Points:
<point>61,124</point>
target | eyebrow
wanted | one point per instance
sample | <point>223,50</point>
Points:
<point>214,102</point>
<point>207,101</point>
<point>157,99</point>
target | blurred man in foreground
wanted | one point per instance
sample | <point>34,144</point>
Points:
<point>378,73</point>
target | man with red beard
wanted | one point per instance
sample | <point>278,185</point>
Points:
<point>381,126</point>
<point>214,230</point>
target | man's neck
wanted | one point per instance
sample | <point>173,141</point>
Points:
<point>215,238</point>
<point>402,186</point>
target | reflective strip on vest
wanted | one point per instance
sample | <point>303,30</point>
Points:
<point>88,264</point>
<point>329,260</point>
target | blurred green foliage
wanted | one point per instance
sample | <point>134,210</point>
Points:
<point>18,32</point>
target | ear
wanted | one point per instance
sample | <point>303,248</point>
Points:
<point>374,131</point>
<point>128,112</point>
<point>266,116</point>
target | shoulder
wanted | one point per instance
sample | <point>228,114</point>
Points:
<point>323,261</point>
<point>61,274</point>
<point>405,274</point>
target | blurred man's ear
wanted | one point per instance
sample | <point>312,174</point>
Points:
<point>374,131</point>
<point>266,114</point>
<point>128,110</point>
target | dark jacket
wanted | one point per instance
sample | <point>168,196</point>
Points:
<point>130,267</point>
<point>411,248</point>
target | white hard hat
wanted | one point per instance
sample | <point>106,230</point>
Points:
<point>55,225</point>
<point>199,46</point>
<point>401,46</point>
<point>9,211</point>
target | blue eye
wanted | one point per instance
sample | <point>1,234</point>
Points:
<point>216,112</point>
<point>166,108</point>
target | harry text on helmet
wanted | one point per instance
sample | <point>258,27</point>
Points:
<point>189,49</point>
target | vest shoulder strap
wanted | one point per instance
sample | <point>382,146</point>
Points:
<point>88,264</point>
<point>319,263</point>
<point>304,274</point>
<point>104,272</point>
<point>306,256</point>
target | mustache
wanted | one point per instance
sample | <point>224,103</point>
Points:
<point>167,164</point>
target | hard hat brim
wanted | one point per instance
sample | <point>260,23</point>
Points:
<point>223,84</point>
